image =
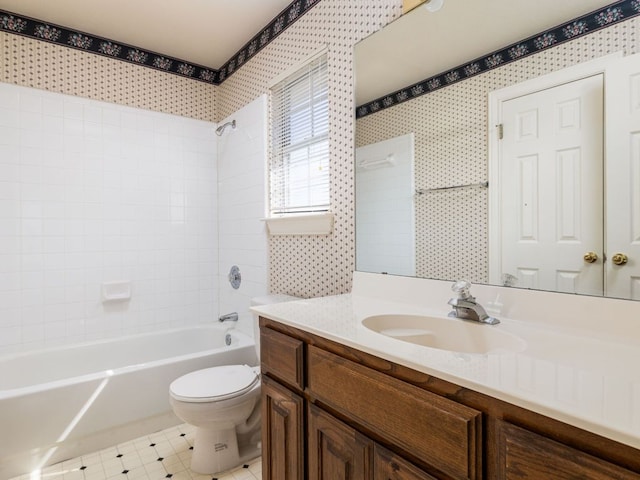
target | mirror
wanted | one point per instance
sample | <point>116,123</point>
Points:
<point>431,75</point>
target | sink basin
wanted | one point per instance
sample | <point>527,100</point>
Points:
<point>445,333</point>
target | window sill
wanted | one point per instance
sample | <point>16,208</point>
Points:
<point>314,224</point>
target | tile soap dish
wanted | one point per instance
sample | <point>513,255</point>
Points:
<point>116,291</point>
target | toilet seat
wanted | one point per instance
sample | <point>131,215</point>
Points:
<point>214,384</point>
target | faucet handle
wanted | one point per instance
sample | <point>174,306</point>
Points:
<point>462,289</point>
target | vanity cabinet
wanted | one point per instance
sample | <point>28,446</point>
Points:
<point>332,412</point>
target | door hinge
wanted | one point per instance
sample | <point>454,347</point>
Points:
<point>500,128</point>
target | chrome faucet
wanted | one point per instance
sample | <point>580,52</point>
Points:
<point>229,317</point>
<point>465,306</point>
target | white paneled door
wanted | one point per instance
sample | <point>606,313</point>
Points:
<point>551,205</point>
<point>622,184</point>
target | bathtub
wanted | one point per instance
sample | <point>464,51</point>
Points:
<point>63,402</point>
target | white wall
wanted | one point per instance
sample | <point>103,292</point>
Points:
<point>93,192</point>
<point>242,160</point>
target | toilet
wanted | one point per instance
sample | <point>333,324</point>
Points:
<point>223,403</point>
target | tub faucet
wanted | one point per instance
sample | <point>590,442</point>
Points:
<point>229,317</point>
<point>465,306</point>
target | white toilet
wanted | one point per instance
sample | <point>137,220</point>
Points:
<point>223,403</point>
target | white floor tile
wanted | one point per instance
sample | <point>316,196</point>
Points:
<point>138,460</point>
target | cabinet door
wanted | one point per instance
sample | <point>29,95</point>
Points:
<point>527,455</point>
<point>336,451</point>
<point>388,466</point>
<point>282,432</point>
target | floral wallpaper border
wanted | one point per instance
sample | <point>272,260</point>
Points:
<point>48,32</point>
<point>614,13</point>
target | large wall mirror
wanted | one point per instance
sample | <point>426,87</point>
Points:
<point>495,141</point>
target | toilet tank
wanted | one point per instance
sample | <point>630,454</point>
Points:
<point>266,300</point>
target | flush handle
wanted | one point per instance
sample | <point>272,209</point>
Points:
<point>590,257</point>
<point>619,259</point>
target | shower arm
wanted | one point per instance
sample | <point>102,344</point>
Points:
<point>220,130</point>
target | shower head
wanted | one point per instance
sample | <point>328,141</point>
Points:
<point>220,130</point>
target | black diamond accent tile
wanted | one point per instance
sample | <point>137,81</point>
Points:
<point>245,466</point>
<point>124,472</point>
<point>119,456</point>
<point>152,445</point>
<point>169,475</point>
<point>190,448</point>
<point>183,434</point>
<point>160,459</point>
<point>83,467</point>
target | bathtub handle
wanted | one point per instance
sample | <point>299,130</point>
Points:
<point>229,317</point>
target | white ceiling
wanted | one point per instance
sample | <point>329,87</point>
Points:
<point>204,32</point>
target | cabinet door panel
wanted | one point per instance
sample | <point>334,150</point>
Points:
<point>336,451</point>
<point>388,466</point>
<point>527,455</point>
<point>282,432</point>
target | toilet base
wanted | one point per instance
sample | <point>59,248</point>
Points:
<point>214,450</point>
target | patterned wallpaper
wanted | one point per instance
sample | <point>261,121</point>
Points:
<point>450,125</point>
<point>311,266</point>
<point>34,63</point>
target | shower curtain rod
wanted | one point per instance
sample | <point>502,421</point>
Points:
<point>421,191</point>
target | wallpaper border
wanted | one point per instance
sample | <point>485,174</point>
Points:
<point>578,27</point>
<point>59,35</point>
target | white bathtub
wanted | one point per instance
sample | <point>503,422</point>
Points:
<point>60,403</point>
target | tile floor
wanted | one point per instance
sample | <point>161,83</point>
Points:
<point>159,456</point>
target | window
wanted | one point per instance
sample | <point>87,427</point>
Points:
<point>299,166</point>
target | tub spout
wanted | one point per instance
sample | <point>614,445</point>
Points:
<point>229,317</point>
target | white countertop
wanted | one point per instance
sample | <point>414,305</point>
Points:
<point>580,376</point>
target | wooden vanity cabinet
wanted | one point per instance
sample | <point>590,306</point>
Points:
<point>331,412</point>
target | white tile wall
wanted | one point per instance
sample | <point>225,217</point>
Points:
<point>385,217</point>
<point>241,198</point>
<point>93,192</point>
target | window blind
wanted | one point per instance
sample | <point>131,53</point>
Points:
<point>299,165</point>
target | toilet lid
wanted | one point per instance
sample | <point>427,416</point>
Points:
<point>214,384</point>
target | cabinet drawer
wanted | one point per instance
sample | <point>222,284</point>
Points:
<point>282,357</point>
<point>523,455</point>
<point>442,433</point>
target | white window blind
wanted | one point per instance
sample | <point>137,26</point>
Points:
<point>299,166</point>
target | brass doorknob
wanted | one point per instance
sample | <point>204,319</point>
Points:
<point>590,257</point>
<point>619,259</point>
